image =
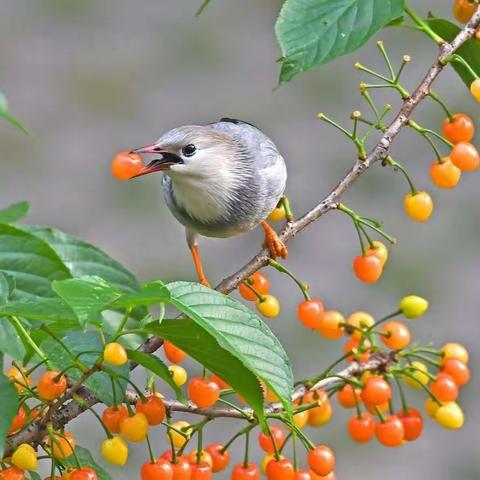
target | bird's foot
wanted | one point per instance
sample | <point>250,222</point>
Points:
<point>202,279</point>
<point>275,246</point>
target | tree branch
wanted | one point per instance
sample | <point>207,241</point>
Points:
<point>35,431</point>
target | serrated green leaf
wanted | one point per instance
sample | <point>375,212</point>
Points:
<point>45,309</point>
<point>9,403</point>
<point>7,115</point>
<point>152,293</point>
<point>469,51</point>
<point>87,296</point>
<point>10,342</point>
<point>14,212</point>
<point>86,460</point>
<point>99,383</point>
<point>156,366</point>
<point>32,263</point>
<point>314,32</point>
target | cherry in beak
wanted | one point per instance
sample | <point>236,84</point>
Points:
<point>168,159</point>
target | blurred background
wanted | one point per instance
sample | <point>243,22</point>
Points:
<point>91,78</point>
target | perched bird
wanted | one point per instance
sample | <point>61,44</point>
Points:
<point>220,180</point>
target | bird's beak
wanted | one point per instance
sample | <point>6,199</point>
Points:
<point>158,164</point>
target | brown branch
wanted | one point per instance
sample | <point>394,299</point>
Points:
<point>34,432</point>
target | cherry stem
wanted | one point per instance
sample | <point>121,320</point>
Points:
<point>247,446</point>
<point>423,25</point>
<point>203,6</point>
<point>424,358</point>
<point>435,97</point>
<point>237,435</point>
<point>150,451</point>
<point>459,59</point>
<point>390,161</point>
<point>199,444</point>
<point>122,323</point>
<point>170,438</point>
<point>432,396</point>
<point>401,392</point>
<point>260,297</point>
<point>382,320</point>
<point>82,403</point>
<point>23,333</point>
<point>279,267</point>
<point>357,403</point>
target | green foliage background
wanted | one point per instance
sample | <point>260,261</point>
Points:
<point>90,78</point>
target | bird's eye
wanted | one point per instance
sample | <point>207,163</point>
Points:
<point>189,150</point>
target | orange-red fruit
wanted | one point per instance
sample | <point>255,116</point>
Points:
<point>302,474</point>
<point>153,408</point>
<point>412,423</point>
<point>460,129</point>
<point>201,471</point>
<point>376,390</point>
<point>182,470</point>
<point>391,432</point>
<point>361,429</point>
<point>321,460</point>
<point>367,268</point>
<point>266,442</point>
<point>51,385</point>
<point>221,383</point>
<point>160,470</point>
<point>260,282</point>
<point>203,391</point>
<point>280,470</point>
<point>331,327</point>
<point>444,388</point>
<point>353,346</point>
<point>457,370</point>
<point>463,10</point>
<point>113,416</point>
<point>173,353</point>
<point>396,335</point>
<point>348,396</point>
<point>445,174</point>
<point>249,472</point>
<point>18,421</point>
<point>126,165</point>
<point>465,156</point>
<point>220,460</point>
<point>86,473</point>
<point>310,313</point>
<point>12,473</point>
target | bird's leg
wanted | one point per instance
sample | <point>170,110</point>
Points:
<point>285,203</point>
<point>276,247</point>
<point>198,266</point>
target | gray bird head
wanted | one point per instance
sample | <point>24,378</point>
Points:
<point>194,151</point>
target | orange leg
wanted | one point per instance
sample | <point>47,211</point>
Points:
<point>276,247</point>
<point>198,266</point>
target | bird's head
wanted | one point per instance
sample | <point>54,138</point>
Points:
<point>193,151</point>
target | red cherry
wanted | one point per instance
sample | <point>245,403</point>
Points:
<point>201,471</point>
<point>220,460</point>
<point>368,268</point>
<point>444,388</point>
<point>457,370</point>
<point>125,165</point>
<point>260,282</point>
<point>391,432</point>
<point>160,470</point>
<point>203,391</point>
<point>376,390</point>
<point>85,473</point>
<point>265,440</point>
<point>321,460</point>
<point>310,313</point>
<point>280,470</point>
<point>361,429</point>
<point>249,472</point>
<point>412,423</point>
<point>346,396</point>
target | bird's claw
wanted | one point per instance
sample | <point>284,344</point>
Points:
<point>275,246</point>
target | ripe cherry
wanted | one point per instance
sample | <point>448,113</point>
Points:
<point>321,415</point>
<point>360,354</point>
<point>376,390</point>
<point>450,416</point>
<point>281,469</point>
<point>475,89</point>
<point>12,473</point>
<point>160,470</point>
<point>221,383</point>
<point>310,313</point>
<point>182,469</point>
<point>115,354</point>
<point>85,473</point>
<point>391,432</point>
<point>205,457</point>
<point>444,388</point>
<point>445,174</point>
<point>348,396</point>
<point>18,421</point>
<point>266,442</point>
<point>465,156</point>
<point>331,327</point>
<point>178,439</point>
<point>367,268</point>
<point>51,385</point>
<point>412,423</point>
<point>321,460</point>
<point>302,474</point>
<point>153,408</point>
<point>268,306</point>
<point>457,370</point>
<point>126,165</point>
<point>463,10</point>
<point>201,471</point>
<point>246,472</point>
<point>203,391</point>
<point>380,250</point>
<point>395,335</point>
<point>179,374</point>
<point>135,427</point>
<point>460,129</point>
<point>418,206</point>
<point>361,429</point>
<point>357,321</point>
<point>220,460</point>
<point>113,416</point>
<point>259,281</point>
<point>173,353</point>
<point>19,378</point>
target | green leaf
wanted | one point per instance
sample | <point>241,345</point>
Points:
<point>152,293</point>
<point>314,32</point>
<point>5,287</point>
<point>14,212</point>
<point>156,366</point>
<point>7,115</point>
<point>32,263</point>
<point>469,51</point>
<point>34,476</point>
<point>87,296</point>
<point>46,309</point>
<point>99,383</point>
<point>9,403</point>
<point>86,460</point>
<point>10,342</point>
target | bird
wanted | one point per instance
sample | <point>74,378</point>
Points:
<point>219,180</point>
